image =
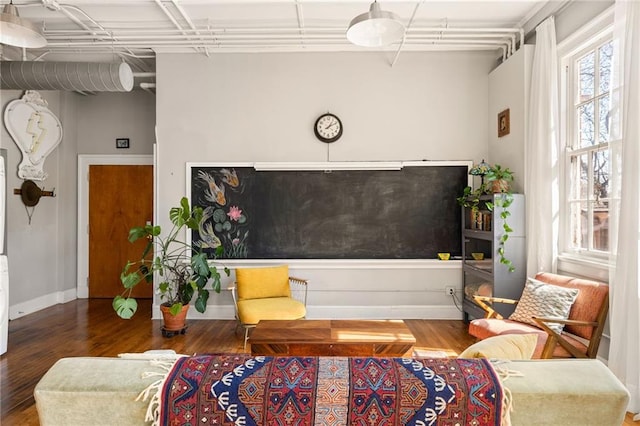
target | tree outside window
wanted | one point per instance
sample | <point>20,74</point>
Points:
<point>588,171</point>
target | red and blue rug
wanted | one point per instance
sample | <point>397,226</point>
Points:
<point>238,389</point>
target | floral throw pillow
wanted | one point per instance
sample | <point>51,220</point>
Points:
<point>544,300</point>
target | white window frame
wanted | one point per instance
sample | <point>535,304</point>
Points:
<point>594,34</point>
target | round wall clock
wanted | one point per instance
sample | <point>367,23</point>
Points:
<point>328,128</point>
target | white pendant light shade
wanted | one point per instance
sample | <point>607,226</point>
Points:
<point>375,28</point>
<point>15,31</point>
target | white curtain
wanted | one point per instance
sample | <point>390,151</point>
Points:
<point>624,317</point>
<point>541,153</point>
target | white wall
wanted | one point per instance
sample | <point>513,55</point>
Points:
<point>258,107</point>
<point>67,198</point>
<point>105,117</point>
<point>509,88</point>
<point>576,14</point>
<point>37,252</point>
<point>43,255</point>
<point>261,107</point>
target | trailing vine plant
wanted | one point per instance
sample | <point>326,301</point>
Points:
<point>503,201</point>
<point>470,198</point>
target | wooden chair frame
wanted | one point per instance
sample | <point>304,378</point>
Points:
<point>298,288</point>
<point>554,338</point>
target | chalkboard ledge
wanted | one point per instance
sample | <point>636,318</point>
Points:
<point>343,263</point>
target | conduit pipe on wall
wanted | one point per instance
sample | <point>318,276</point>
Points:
<point>148,87</point>
<point>70,76</point>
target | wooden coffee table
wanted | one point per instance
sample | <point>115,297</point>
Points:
<point>384,338</point>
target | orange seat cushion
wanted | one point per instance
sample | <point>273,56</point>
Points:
<point>483,328</point>
<point>251,311</point>
<point>258,283</point>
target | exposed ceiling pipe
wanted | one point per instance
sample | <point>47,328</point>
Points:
<point>42,55</point>
<point>316,38</point>
<point>311,38</point>
<point>540,12</point>
<point>148,32</point>
<point>69,76</point>
<point>521,37</point>
<point>186,17</point>
<point>404,36</point>
<point>300,19</point>
<point>171,18</point>
<point>148,87</point>
<point>144,74</point>
<point>78,22</point>
<point>137,56</point>
<point>64,9</point>
<point>102,34</point>
<point>220,39</point>
<point>427,39</point>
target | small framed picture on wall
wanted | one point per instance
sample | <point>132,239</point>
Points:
<point>503,123</point>
<point>122,143</point>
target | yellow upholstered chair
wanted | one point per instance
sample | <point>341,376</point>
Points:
<point>582,332</point>
<point>267,294</point>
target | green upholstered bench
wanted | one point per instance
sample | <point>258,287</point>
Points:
<point>93,391</point>
<point>565,392</point>
<point>102,391</point>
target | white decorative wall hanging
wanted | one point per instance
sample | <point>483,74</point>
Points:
<point>36,131</point>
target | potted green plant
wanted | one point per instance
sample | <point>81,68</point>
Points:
<point>498,181</point>
<point>184,269</point>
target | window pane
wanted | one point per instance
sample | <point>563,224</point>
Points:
<point>578,225</point>
<point>586,130</point>
<point>601,226</point>
<point>605,53</point>
<point>587,76</point>
<point>584,177</point>
<point>600,175</point>
<point>587,189</point>
<point>579,177</point>
<point>603,112</point>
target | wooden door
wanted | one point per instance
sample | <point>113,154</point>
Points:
<point>120,197</point>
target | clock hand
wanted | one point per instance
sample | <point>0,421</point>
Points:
<point>329,126</point>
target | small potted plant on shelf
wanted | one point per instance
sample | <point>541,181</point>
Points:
<point>498,181</point>
<point>184,269</point>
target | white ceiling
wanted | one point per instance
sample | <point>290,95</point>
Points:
<point>130,29</point>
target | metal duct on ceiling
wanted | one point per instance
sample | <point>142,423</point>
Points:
<point>71,76</point>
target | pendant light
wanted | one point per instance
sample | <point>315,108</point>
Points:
<point>15,31</point>
<point>375,28</point>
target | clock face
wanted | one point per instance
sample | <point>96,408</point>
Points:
<point>328,128</point>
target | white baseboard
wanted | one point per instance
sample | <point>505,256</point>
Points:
<point>384,312</point>
<point>342,312</point>
<point>34,305</point>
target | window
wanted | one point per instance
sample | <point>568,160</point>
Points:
<point>586,156</point>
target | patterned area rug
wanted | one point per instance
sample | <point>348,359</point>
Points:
<point>238,389</point>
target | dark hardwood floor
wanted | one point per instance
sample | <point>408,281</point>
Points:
<point>91,328</point>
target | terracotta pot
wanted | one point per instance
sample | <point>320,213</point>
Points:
<point>174,322</point>
<point>499,185</point>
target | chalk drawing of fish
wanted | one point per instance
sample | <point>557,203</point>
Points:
<point>213,193</point>
<point>230,177</point>
<point>208,238</point>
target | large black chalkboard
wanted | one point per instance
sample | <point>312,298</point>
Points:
<point>354,214</point>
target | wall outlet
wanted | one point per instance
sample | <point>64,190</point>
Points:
<point>450,290</point>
